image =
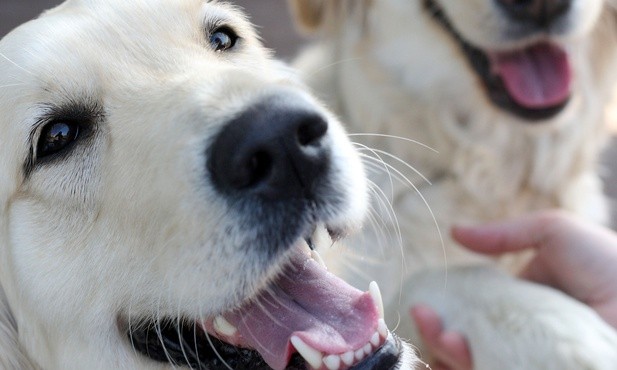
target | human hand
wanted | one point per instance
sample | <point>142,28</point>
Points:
<point>576,257</point>
<point>448,350</point>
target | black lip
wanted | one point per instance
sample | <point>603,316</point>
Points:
<point>387,357</point>
<point>182,344</point>
<point>493,84</point>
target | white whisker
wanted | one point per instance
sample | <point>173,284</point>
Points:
<point>209,339</point>
<point>11,85</point>
<point>15,64</point>
<point>399,160</point>
<point>397,138</point>
<point>327,66</point>
<point>157,326</point>
<point>391,214</point>
<point>181,294</point>
<point>217,352</point>
<point>377,159</point>
<point>400,176</point>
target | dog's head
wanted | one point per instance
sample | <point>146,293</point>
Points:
<point>160,174</point>
<point>529,60</point>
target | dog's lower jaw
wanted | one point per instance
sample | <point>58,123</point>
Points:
<point>282,327</point>
<point>187,347</point>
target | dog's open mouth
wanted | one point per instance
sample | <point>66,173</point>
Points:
<point>307,319</point>
<point>534,82</point>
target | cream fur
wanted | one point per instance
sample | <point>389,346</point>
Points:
<point>128,223</point>
<point>389,69</point>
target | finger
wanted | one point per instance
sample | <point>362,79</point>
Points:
<point>538,272</point>
<point>449,349</point>
<point>505,236</point>
<point>429,324</point>
<point>456,351</point>
<point>439,366</point>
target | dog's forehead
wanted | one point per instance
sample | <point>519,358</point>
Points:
<point>84,38</point>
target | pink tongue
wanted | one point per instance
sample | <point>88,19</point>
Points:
<point>308,302</point>
<point>537,77</point>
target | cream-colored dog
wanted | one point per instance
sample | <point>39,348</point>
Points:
<point>159,174</point>
<point>512,95</point>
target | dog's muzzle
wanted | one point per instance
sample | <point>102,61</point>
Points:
<point>533,82</point>
<point>275,164</point>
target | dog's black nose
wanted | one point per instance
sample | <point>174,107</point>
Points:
<point>274,149</point>
<point>539,12</point>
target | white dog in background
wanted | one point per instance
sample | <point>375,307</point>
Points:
<point>512,94</point>
<point>159,175</point>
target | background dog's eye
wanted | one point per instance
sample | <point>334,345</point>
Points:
<point>223,39</point>
<point>56,136</point>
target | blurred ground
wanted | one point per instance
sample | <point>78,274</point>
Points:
<point>275,26</point>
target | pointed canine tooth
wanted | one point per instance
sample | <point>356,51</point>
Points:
<point>367,349</point>
<point>347,358</point>
<point>359,354</point>
<point>375,339</point>
<point>223,326</point>
<point>317,257</point>
<point>373,289</point>
<point>382,328</point>
<point>332,362</point>
<point>310,354</point>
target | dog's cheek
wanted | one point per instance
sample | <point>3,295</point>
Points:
<point>585,15</point>
<point>347,181</point>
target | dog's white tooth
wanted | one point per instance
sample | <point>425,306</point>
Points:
<point>373,289</point>
<point>317,257</point>
<point>359,354</point>
<point>382,328</point>
<point>310,354</point>
<point>222,326</point>
<point>367,349</point>
<point>375,339</point>
<point>347,358</point>
<point>332,362</point>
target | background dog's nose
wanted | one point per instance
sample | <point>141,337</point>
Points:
<point>274,149</point>
<point>540,12</point>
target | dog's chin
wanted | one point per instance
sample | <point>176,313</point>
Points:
<point>306,318</point>
<point>532,82</point>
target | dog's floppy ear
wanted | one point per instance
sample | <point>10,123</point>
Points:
<point>325,16</point>
<point>313,15</point>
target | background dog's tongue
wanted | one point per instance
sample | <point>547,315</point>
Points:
<point>308,302</point>
<point>537,77</point>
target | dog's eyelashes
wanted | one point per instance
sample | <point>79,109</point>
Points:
<point>56,136</point>
<point>223,39</point>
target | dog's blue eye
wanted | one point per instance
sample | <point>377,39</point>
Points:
<point>223,39</point>
<point>55,137</point>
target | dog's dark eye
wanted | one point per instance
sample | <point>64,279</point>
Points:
<point>56,136</point>
<point>223,39</point>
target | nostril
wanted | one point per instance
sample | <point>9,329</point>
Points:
<point>517,2</point>
<point>244,171</point>
<point>522,9</point>
<point>541,12</point>
<point>311,130</point>
<point>258,169</point>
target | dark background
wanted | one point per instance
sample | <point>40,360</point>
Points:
<point>275,26</point>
